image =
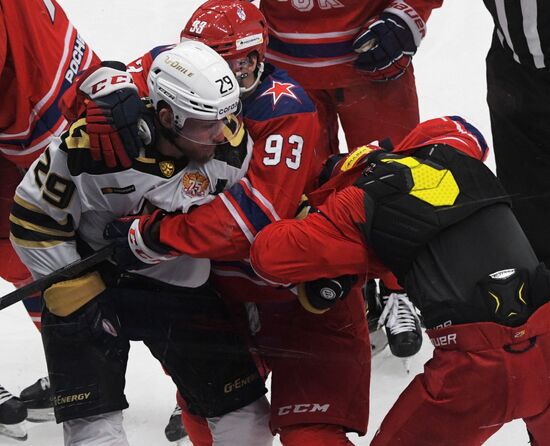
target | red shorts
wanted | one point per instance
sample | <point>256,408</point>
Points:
<point>11,268</point>
<point>368,111</point>
<point>320,363</point>
<point>481,376</point>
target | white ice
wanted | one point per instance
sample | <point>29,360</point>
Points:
<point>450,73</point>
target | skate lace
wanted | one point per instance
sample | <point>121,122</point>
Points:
<point>177,411</point>
<point>45,383</point>
<point>5,395</point>
<point>399,314</point>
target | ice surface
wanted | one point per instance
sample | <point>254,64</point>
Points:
<point>450,73</point>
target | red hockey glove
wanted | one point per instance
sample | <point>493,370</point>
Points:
<point>318,296</point>
<point>388,42</point>
<point>137,241</point>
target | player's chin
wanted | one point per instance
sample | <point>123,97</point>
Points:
<point>204,155</point>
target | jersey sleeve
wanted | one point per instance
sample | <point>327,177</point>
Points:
<point>327,241</point>
<point>45,215</point>
<point>3,42</point>
<point>414,13</point>
<point>454,131</point>
<point>44,53</point>
<point>424,8</point>
<point>284,165</point>
<point>139,68</point>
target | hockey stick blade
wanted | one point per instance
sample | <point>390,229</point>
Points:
<point>67,272</point>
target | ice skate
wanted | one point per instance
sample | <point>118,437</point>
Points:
<point>378,338</point>
<point>402,324</point>
<point>12,416</point>
<point>38,400</point>
<point>174,430</point>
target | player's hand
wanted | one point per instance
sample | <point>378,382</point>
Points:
<point>320,295</point>
<point>388,42</point>
<point>137,241</point>
<point>119,125</point>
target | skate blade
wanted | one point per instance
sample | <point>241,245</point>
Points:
<point>40,415</point>
<point>378,341</point>
<point>15,431</point>
<point>407,364</point>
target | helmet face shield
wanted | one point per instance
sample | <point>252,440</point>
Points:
<point>211,132</point>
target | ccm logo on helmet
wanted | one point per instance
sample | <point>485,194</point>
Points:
<point>228,109</point>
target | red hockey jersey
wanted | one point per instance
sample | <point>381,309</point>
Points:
<point>312,39</point>
<point>40,54</point>
<point>283,123</point>
<point>292,251</point>
<point>284,126</point>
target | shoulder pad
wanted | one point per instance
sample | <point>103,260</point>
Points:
<point>234,153</point>
<point>277,95</point>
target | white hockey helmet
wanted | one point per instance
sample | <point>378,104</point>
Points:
<point>200,88</point>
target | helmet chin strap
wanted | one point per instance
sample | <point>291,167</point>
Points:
<point>245,91</point>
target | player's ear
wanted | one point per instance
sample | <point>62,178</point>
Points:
<point>165,117</point>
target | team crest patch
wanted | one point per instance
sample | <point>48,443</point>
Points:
<point>167,168</point>
<point>195,184</point>
<point>280,89</point>
<point>241,14</point>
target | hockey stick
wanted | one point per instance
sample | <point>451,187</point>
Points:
<point>67,272</point>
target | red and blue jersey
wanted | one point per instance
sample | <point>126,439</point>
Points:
<point>285,128</point>
<point>40,54</point>
<point>312,39</point>
<point>293,251</point>
<point>139,68</point>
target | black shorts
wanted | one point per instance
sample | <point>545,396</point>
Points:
<point>188,330</point>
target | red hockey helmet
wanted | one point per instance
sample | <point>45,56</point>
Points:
<point>233,28</point>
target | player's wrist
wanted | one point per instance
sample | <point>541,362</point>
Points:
<point>415,23</point>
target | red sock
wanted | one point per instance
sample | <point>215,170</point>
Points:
<point>314,435</point>
<point>196,427</point>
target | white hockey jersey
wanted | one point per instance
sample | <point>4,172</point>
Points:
<point>66,195</point>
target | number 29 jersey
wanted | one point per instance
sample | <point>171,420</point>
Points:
<point>65,195</point>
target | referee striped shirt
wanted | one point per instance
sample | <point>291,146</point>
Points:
<point>523,27</point>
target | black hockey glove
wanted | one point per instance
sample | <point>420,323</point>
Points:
<point>320,295</point>
<point>137,241</point>
<point>119,124</point>
<point>387,43</point>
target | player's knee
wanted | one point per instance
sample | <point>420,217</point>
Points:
<point>248,425</point>
<point>98,430</point>
<point>314,435</point>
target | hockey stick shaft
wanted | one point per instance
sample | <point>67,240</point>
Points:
<point>67,272</point>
